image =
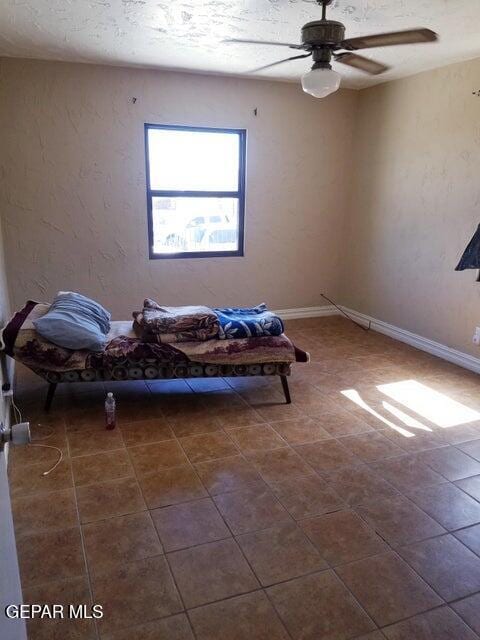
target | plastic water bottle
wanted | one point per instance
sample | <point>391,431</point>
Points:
<point>110,422</point>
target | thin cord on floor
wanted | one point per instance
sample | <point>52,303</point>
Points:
<point>346,314</point>
<point>49,446</point>
<point>18,418</point>
<point>16,411</point>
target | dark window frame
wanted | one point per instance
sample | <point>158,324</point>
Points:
<point>239,194</point>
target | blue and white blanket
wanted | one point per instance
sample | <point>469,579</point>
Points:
<point>248,323</point>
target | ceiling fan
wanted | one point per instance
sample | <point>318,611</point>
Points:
<point>324,38</point>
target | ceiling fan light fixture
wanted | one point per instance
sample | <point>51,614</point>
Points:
<point>321,82</point>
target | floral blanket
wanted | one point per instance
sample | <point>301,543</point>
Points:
<point>124,346</point>
<point>175,324</point>
<point>248,323</point>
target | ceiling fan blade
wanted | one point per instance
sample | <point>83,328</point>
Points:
<point>359,62</point>
<point>274,64</point>
<point>411,36</point>
<point>278,44</point>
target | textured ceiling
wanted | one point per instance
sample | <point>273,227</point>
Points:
<point>187,35</point>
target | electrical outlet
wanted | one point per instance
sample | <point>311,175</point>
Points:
<point>476,336</point>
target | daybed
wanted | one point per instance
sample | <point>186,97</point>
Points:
<point>127,357</point>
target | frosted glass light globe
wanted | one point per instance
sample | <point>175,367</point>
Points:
<point>321,82</point>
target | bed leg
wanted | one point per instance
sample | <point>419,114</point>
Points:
<point>286,390</point>
<point>50,393</point>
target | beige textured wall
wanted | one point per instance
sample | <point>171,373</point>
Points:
<point>416,203</point>
<point>72,174</point>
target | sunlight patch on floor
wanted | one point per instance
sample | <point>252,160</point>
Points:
<point>430,404</point>
<point>355,397</point>
<point>409,421</point>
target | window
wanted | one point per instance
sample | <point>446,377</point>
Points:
<point>195,191</point>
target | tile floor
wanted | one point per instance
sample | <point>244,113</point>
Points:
<point>216,512</point>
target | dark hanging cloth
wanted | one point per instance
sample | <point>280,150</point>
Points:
<point>471,256</point>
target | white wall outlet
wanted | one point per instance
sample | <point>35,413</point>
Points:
<point>476,336</point>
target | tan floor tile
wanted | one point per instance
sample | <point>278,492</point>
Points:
<point>246,617</point>
<point>171,486</point>
<point>342,537</point>
<point>470,537</point>
<point>135,593</point>
<point>120,539</point>
<point>414,440</point>
<point>327,455</point>
<point>356,485</point>
<point>84,419</point>
<point>45,512</point>
<point>145,431</point>
<point>450,463</point>
<point>398,520</point>
<point>227,474</point>
<point>439,624</point>
<point>169,388</point>
<point>176,627</point>
<point>192,424</point>
<point>338,422</point>
<point>188,524</point>
<point>172,628</point>
<point>463,436</point>
<point>448,505</point>
<point>306,496</point>
<point>318,607</point>
<point>251,509</point>
<point>109,499</point>
<point>446,564</point>
<point>309,398</point>
<point>472,447</point>
<point>64,592</point>
<point>25,482</point>
<point>238,415</point>
<point>301,430</point>
<point>85,443</point>
<point>470,486</point>
<point>262,395</point>
<point>469,610</point>
<point>202,385</point>
<point>407,473</point>
<point>396,592</point>
<point>208,446</point>
<point>211,572</point>
<point>85,416</point>
<point>279,464</point>
<point>371,446</point>
<point>51,555</point>
<point>156,456</point>
<point>280,553</point>
<point>131,409</point>
<point>101,467</point>
<point>270,404</point>
<point>258,438</point>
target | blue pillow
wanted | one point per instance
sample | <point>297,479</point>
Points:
<point>75,322</point>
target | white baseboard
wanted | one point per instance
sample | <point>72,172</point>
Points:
<point>419,342</point>
<point>306,312</point>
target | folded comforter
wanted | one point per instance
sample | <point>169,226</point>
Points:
<point>197,323</point>
<point>175,324</point>
<point>253,322</point>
